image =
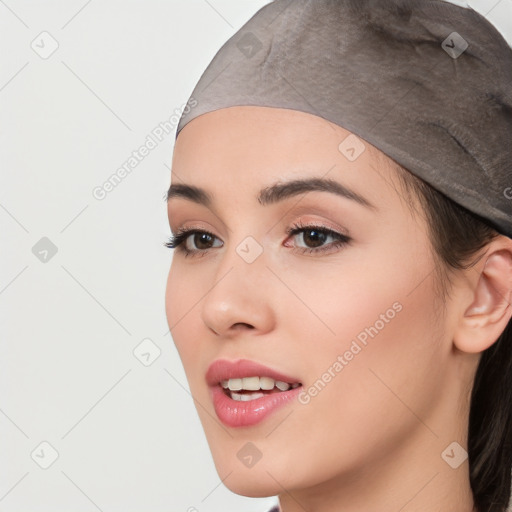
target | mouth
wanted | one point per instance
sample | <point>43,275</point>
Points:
<point>247,389</point>
<point>245,392</point>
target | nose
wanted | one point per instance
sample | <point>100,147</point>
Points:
<point>240,297</point>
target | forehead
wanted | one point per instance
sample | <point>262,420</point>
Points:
<point>237,149</point>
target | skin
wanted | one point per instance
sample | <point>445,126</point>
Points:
<point>372,439</point>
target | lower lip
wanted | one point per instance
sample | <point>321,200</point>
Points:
<point>245,414</point>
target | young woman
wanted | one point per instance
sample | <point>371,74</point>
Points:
<point>340,294</point>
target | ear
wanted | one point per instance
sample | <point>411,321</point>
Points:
<point>490,307</point>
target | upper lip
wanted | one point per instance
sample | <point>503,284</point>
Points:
<point>223,369</point>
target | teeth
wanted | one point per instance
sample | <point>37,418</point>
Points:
<point>267,383</point>
<point>246,397</point>
<point>255,384</point>
<point>283,386</point>
<point>235,384</point>
<point>251,383</point>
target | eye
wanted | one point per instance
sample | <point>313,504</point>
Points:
<point>200,240</point>
<point>315,237</point>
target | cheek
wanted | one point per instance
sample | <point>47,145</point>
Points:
<point>376,311</point>
<point>180,301</point>
<point>367,294</point>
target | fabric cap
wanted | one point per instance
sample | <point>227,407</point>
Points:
<point>425,81</point>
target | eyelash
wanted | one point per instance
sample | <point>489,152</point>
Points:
<point>177,241</point>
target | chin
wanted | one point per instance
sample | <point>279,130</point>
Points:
<point>264,479</point>
<point>253,485</point>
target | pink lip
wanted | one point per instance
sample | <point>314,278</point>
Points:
<point>243,414</point>
<point>222,369</point>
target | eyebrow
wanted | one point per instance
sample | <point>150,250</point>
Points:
<point>274,193</point>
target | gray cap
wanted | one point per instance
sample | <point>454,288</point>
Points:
<point>427,82</point>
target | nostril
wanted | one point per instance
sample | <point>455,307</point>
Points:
<point>242,324</point>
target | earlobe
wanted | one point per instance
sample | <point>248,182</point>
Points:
<point>487,316</point>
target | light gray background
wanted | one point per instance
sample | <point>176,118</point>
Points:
<point>127,435</point>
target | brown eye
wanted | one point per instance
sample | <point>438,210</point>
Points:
<point>201,240</point>
<point>314,238</point>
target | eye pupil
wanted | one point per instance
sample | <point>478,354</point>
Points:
<point>318,237</point>
<point>202,237</point>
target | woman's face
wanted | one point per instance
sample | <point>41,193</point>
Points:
<point>353,320</point>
